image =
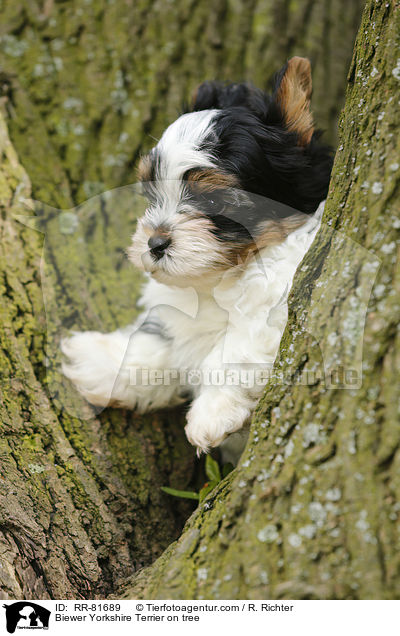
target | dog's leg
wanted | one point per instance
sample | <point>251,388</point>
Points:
<point>235,373</point>
<point>125,368</point>
<point>215,413</point>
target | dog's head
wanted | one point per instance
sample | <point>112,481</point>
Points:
<point>239,171</point>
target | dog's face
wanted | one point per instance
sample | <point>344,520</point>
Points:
<point>237,173</point>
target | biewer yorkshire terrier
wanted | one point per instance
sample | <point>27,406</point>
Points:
<point>235,187</point>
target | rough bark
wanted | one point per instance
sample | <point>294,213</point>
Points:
<point>312,511</point>
<point>86,86</point>
<point>80,499</point>
<point>92,82</point>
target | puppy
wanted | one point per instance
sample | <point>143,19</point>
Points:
<point>234,187</point>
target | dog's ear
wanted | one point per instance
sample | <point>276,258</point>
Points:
<point>230,95</point>
<point>293,94</point>
<point>207,95</point>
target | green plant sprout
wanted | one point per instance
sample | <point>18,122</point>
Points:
<point>214,474</point>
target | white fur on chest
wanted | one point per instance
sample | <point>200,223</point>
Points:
<point>247,309</point>
<point>234,324</point>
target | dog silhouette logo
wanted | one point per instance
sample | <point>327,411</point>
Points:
<point>26,615</point>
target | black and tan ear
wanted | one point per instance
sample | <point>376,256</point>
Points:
<point>293,95</point>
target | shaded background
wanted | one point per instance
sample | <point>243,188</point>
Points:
<point>92,82</point>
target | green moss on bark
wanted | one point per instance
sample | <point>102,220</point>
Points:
<point>91,84</point>
<point>80,502</point>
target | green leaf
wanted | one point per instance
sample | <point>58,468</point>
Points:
<point>207,488</point>
<point>185,494</point>
<point>226,469</point>
<point>212,469</point>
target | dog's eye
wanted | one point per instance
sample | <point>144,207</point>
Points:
<point>211,203</point>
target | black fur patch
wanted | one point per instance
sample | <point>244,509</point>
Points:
<point>251,142</point>
<point>236,215</point>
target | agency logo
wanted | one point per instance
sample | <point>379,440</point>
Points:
<point>26,615</point>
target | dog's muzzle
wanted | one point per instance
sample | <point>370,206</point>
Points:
<point>158,243</point>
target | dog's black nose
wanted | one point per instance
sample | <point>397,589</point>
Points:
<point>158,244</point>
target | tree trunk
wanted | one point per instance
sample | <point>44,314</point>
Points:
<point>90,84</point>
<point>312,511</point>
<point>80,500</point>
<point>86,88</point>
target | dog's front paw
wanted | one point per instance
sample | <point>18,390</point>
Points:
<point>93,365</point>
<point>213,416</point>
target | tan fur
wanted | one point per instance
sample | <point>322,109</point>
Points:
<point>294,95</point>
<point>145,169</point>
<point>272,233</point>
<point>211,179</point>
